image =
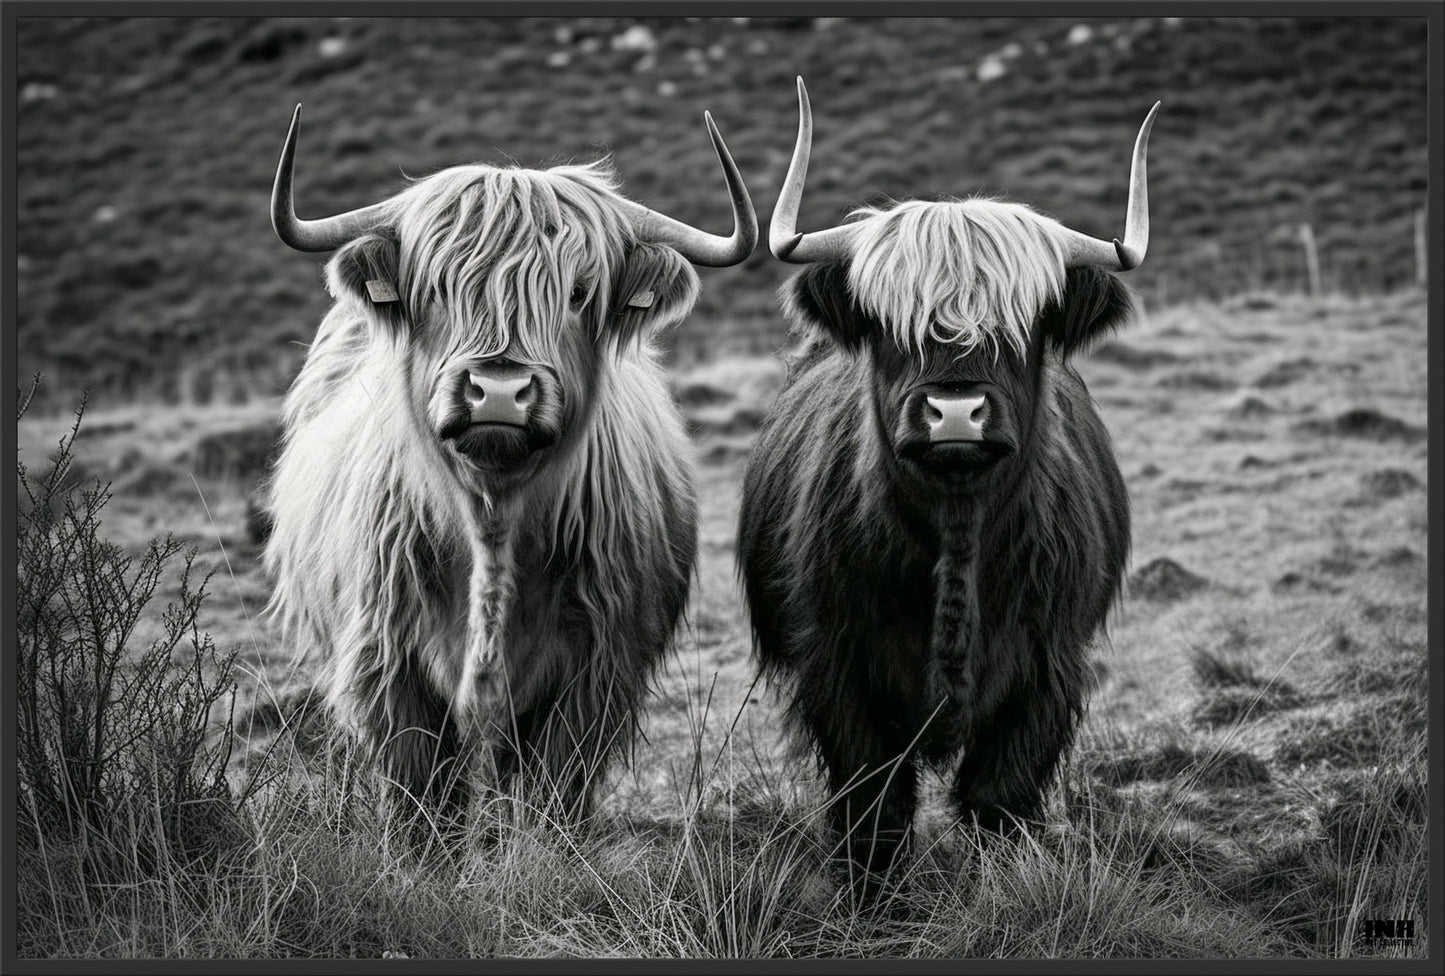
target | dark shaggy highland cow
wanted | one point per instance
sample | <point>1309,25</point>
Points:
<point>484,514</point>
<point>933,523</point>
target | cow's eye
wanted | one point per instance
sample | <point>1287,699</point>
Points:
<point>579,294</point>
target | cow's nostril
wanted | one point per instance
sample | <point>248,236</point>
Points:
<point>476,391</point>
<point>979,413</point>
<point>527,394</point>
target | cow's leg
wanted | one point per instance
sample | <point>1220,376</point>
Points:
<point>414,738</point>
<point>561,750</point>
<point>1013,756</point>
<point>871,778</point>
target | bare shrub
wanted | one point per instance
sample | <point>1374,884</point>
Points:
<point>121,769</point>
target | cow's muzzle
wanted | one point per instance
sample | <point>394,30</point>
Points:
<point>955,425</point>
<point>952,419</point>
<point>502,412</point>
<point>500,392</point>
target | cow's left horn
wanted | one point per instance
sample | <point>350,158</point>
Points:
<point>700,247</point>
<point>1086,251</point>
<point>326,233</point>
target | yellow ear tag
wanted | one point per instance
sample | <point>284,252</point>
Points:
<point>382,291</point>
<point>642,299</point>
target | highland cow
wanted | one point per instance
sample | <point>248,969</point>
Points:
<point>484,511</point>
<point>933,523</point>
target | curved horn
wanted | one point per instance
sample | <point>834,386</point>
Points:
<point>1086,251</point>
<point>325,234</point>
<point>783,238</point>
<point>699,247</point>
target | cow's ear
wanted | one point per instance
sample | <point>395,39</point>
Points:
<point>653,290</point>
<point>366,269</point>
<point>819,296</point>
<point>1095,304</point>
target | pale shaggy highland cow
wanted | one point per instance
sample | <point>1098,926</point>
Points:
<point>484,512</point>
<point>933,522</point>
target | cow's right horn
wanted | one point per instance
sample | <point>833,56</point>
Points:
<point>327,233</point>
<point>783,238</point>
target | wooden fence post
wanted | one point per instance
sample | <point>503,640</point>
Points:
<point>1312,257</point>
<point>1421,275</point>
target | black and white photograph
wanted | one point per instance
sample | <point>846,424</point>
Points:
<point>619,484</point>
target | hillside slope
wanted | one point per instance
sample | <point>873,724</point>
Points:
<point>147,267</point>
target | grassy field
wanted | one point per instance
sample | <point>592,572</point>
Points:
<point>1250,781</point>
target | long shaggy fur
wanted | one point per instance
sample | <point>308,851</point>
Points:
<point>937,627</point>
<point>493,244</point>
<point>457,630</point>
<point>962,273</point>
